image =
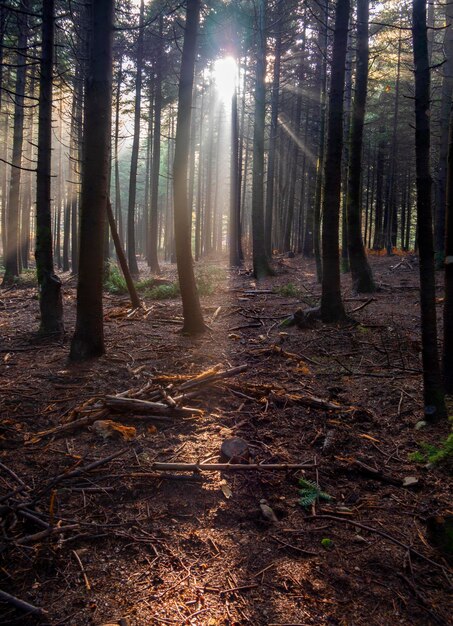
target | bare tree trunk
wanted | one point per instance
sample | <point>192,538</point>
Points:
<point>447,90</point>
<point>273,139</point>
<point>50,298</point>
<point>193,317</point>
<point>362,278</point>
<point>433,391</point>
<point>118,209</point>
<point>235,190</point>
<point>12,221</point>
<point>332,309</point>
<point>447,360</point>
<point>153,259</point>
<point>131,247</point>
<point>261,267</point>
<point>88,340</point>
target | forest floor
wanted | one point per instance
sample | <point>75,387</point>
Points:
<point>125,541</point>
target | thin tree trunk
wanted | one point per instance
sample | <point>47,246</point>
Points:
<point>193,317</point>
<point>131,247</point>
<point>447,360</point>
<point>447,90</point>
<point>332,309</point>
<point>50,298</point>
<point>273,139</point>
<point>12,221</point>
<point>362,278</point>
<point>261,267</point>
<point>153,258</point>
<point>433,391</point>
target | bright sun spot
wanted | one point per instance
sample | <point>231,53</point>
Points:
<point>225,71</point>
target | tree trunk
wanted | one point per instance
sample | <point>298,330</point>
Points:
<point>447,360</point>
<point>332,309</point>
<point>50,298</point>
<point>153,259</point>
<point>261,267</point>
<point>362,279</point>
<point>447,90</point>
<point>313,225</point>
<point>118,209</point>
<point>273,139</point>
<point>433,391</point>
<point>88,340</point>
<point>235,193</point>
<point>131,247</point>
<point>12,221</point>
<point>193,318</point>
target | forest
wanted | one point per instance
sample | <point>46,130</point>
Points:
<point>226,312</point>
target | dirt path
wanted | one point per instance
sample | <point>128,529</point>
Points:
<point>196,548</point>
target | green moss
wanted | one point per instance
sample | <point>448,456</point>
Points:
<point>288,291</point>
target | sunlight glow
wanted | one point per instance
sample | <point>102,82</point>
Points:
<point>225,71</point>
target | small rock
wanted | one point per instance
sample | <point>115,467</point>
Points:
<point>420,424</point>
<point>410,481</point>
<point>235,450</point>
<point>267,512</point>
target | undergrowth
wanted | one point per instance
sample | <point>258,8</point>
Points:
<point>290,290</point>
<point>208,278</point>
<point>435,455</point>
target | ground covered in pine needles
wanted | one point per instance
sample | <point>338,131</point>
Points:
<point>96,529</point>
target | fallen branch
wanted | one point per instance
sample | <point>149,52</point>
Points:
<point>377,532</point>
<point>221,467</point>
<point>21,604</point>
<point>144,406</point>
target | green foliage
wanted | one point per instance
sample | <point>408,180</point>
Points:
<point>436,455</point>
<point>28,278</point>
<point>209,279</point>
<point>327,543</point>
<point>288,291</point>
<point>310,492</point>
<point>163,292</point>
<point>114,280</point>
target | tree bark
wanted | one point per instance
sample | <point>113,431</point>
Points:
<point>193,318</point>
<point>362,278</point>
<point>432,383</point>
<point>153,259</point>
<point>447,360</point>
<point>12,218</point>
<point>50,298</point>
<point>131,247</point>
<point>261,267</point>
<point>332,309</point>
<point>88,340</point>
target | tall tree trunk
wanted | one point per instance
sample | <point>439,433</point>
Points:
<point>153,259</point>
<point>50,298</point>
<point>273,139</point>
<point>313,224</point>
<point>362,278</point>
<point>88,340</point>
<point>261,267</point>
<point>332,309</point>
<point>432,385</point>
<point>193,317</point>
<point>118,209</point>
<point>235,189</point>
<point>12,221</point>
<point>447,360</point>
<point>131,247</point>
<point>447,90</point>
